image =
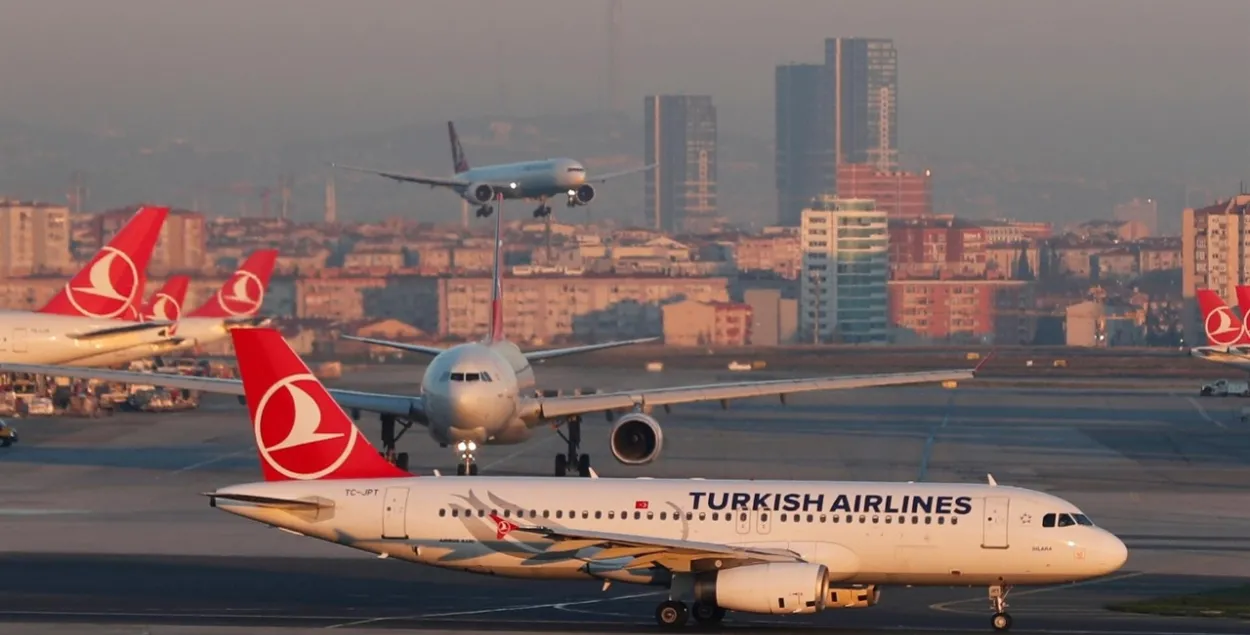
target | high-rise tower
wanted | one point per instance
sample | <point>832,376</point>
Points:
<point>681,140</point>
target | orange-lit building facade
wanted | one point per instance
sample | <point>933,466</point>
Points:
<point>898,194</point>
<point>935,311</point>
<point>936,247</point>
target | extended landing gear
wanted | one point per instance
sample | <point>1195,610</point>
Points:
<point>543,210</point>
<point>485,211</point>
<point>707,614</point>
<point>573,460</point>
<point>399,459</point>
<point>672,614</point>
<point>998,599</point>
<point>468,465</point>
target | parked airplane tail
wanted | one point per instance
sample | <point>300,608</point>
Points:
<point>166,303</point>
<point>1222,326</point>
<point>496,283</point>
<point>244,293</point>
<point>1243,299</point>
<point>459,162</point>
<point>301,433</point>
<point>112,283</point>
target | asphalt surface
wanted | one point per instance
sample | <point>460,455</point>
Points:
<point>103,527</point>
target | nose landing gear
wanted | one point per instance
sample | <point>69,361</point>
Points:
<point>998,599</point>
<point>485,211</point>
<point>468,465</point>
<point>574,460</point>
<point>389,438</point>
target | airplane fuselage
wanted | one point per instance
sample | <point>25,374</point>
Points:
<point>42,338</point>
<point>189,333</point>
<point>472,393</point>
<point>865,533</point>
<point>533,179</point>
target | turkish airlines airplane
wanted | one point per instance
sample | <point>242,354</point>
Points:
<point>528,180</point>
<point>481,393</point>
<point>235,305</point>
<point>88,316</point>
<point>1228,341</point>
<point>766,547</point>
<point>166,304</point>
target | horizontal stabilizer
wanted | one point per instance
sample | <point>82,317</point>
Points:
<point>269,501</point>
<point>246,320</point>
<point>411,348</point>
<point>122,329</point>
<point>537,356</point>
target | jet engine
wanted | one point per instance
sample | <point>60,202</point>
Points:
<point>772,588</point>
<point>479,193</point>
<point>636,439</point>
<point>853,598</point>
<point>584,194</point>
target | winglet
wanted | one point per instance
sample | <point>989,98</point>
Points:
<point>990,478</point>
<point>301,433</point>
<point>593,473</point>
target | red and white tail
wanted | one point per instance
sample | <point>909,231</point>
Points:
<point>111,284</point>
<point>1243,299</point>
<point>166,303</point>
<point>1222,326</point>
<point>301,433</point>
<point>244,292</point>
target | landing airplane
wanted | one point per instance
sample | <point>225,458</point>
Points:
<point>235,305</point>
<point>526,180</point>
<point>88,316</point>
<point>765,547</point>
<point>481,393</point>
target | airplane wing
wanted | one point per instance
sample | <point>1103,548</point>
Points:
<point>432,181</point>
<point>538,409</point>
<point>411,348</point>
<point>411,408</point>
<point>600,178</point>
<point>129,327</point>
<point>538,356</point>
<point>674,554</point>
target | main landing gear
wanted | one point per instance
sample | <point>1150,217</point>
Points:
<point>468,465</point>
<point>399,459</point>
<point>543,209</point>
<point>998,600</point>
<point>485,211</point>
<point>566,463</point>
<point>674,614</point>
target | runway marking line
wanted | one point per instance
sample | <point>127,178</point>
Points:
<point>215,459</point>
<point>503,609</point>
<point>1203,411</point>
<point>944,606</point>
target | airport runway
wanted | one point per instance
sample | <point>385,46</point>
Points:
<point>103,523</point>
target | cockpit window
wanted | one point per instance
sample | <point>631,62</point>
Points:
<point>577,169</point>
<point>457,376</point>
<point>1065,520</point>
<point>486,376</point>
<point>1082,519</point>
<point>472,376</point>
<point>445,377</point>
<point>1048,520</point>
<point>469,376</point>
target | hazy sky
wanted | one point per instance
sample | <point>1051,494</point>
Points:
<point>1156,83</point>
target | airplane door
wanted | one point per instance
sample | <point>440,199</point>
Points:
<point>763,521</point>
<point>994,526</point>
<point>394,511</point>
<point>743,520</point>
<point>19,340</point>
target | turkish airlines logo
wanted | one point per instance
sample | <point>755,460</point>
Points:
<point>112,277</point>
<point>289,420</point>
<point>164,307</point>
<point>1222,327</point>
<point>242,295</point>
<point>503,526</point>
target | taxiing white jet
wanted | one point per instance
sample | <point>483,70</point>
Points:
<point>528,180</point>
<point>482,393</point>
<point>765,547</point>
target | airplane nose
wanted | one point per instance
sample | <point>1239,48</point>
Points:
<point>1114,553</point>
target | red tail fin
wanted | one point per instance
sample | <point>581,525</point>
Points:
<point>1243,299</point>
<point>1222,326</point>
<point>301,433</point>
<point>244,292</point>
<point>113,281</point>
<point>166,303</point>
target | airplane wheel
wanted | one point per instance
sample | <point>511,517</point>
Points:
<point>402,461</point>
<point>1001,622</point>
<point>473,470</point>
<point>562,465</point>
<point>460,470</point>
<point>707,613</point>
<point>672,614</point>
<point>583,465</point>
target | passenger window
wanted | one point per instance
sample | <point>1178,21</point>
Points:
<point>941,520</point>
<point>1048,520</point>
<point>809,518</point>
<point>637,515</point>
<point>481,513</point>
<point>764,517</point>
<point>650,515</point>
<point>702,515</point>
<point>1082,519</point>
<point>455,513</point>
<point>955,520</point>
<point>889,520</point>
<point>611,515</point>
<point>442,512</point>
<point>598,515</point>
<point>585,514</point>
<point>915,520</point>
<point>559,513</point>
<point>822,518</point>
<point>663,515</point>
<point>862,519</point>
<point>715,515</point>
<point>835,518</point>
<point>928,520</point>
<point>507,513</point>
<point>689,515</point>
<point>783,517</point>
<point>1065,520</point>
<point>546,514</point>
<point>742,517</point>
<point>533,513</point>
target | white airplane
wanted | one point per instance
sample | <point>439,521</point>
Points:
<point>528,180</point>
<point>89,316</point>
<point>767,547</point>
<point>481,393</point>
<point>235,305</point>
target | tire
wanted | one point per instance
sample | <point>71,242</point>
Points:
<point>562,465</point>
<point>401,461</point>
<point>583,465</point>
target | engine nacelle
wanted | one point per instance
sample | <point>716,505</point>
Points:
<point>773,588</point>
<point>584,194</point>
<point>636,439</point>
<point>853,598</point>
<point>479,193</point>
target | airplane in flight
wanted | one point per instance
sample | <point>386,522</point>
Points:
<point>767,547</point>
<point>482,393</point>
<point>526,180</point>
<point>88,317</point>
<point>236,304</point>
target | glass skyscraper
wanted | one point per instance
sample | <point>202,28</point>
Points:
<point>681,140</point>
